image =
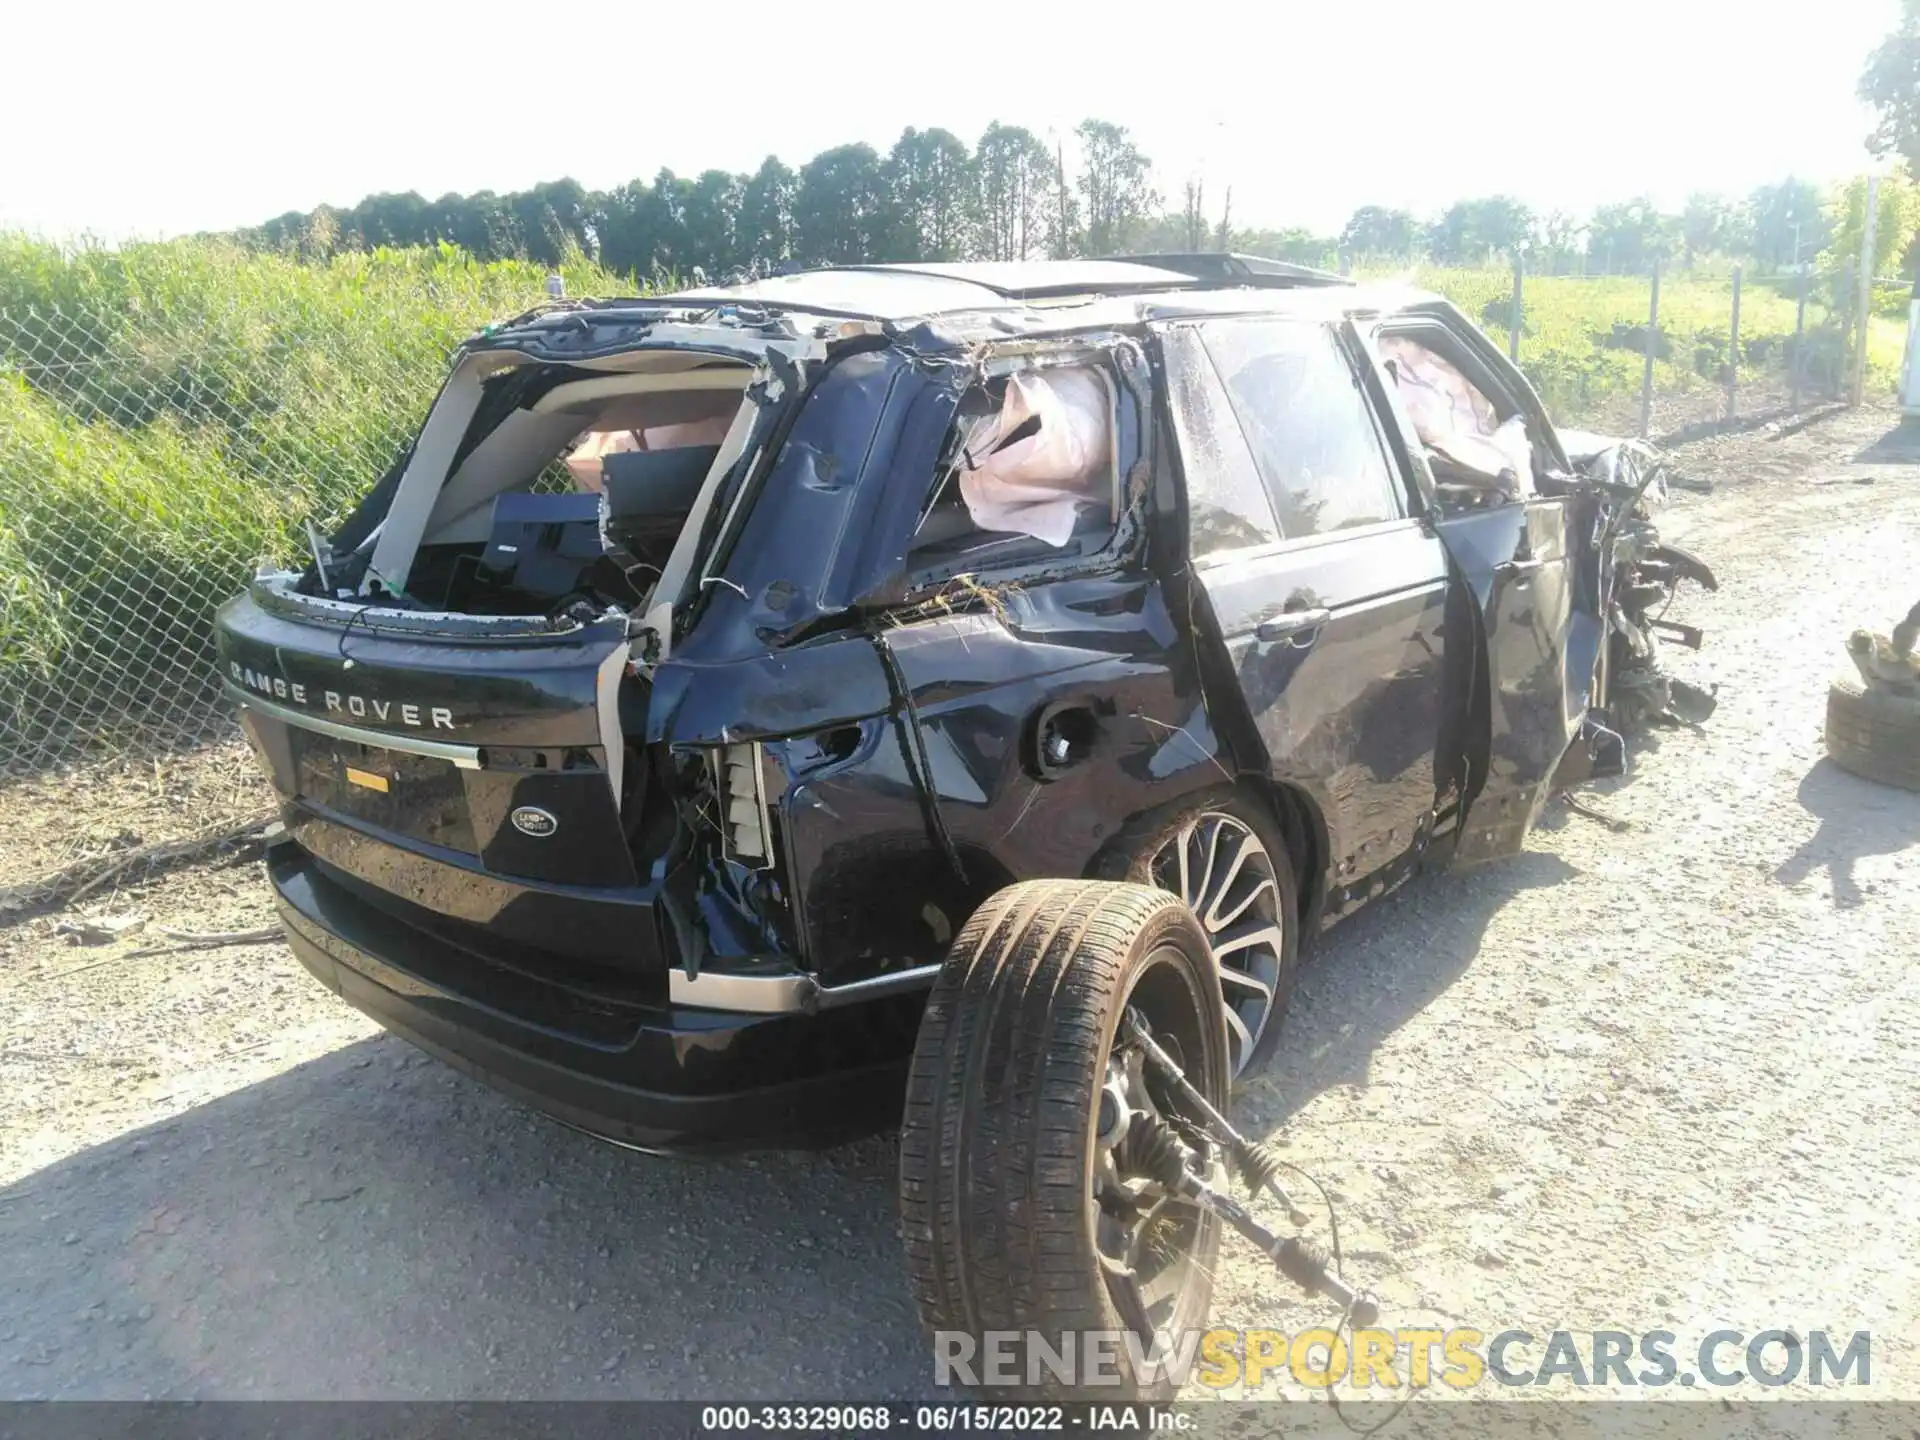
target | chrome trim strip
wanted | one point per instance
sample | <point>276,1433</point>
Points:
<point>467,757</point>
<point>748,994</point>
<point>787,992</point>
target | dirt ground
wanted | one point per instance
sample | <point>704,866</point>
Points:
<point>93,814</point>
<point>1662,1078</point>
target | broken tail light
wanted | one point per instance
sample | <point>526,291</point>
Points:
<point>746,835</point>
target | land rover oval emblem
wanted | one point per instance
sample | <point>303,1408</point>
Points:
<point>532,820</point>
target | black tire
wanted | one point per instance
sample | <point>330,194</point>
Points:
<point>997,1147</point>
<point>1138,854</point>
<point>1874,732</point>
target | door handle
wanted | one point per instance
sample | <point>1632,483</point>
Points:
<point>1521,569</point>
<point>1301,627</point>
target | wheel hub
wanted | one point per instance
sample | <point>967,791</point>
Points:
<point>1146,1235</point>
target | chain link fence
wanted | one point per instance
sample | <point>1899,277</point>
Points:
<point>148,462</point>
<point>144,471</point>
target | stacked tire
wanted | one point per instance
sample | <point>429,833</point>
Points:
<point>1874,731</point>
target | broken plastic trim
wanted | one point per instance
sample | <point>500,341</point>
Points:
<point>274,590</point>
<point>746,833</point>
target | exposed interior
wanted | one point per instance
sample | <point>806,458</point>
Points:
<point>565,486</point>
<point>1475,438</point>
<point>535,488</point>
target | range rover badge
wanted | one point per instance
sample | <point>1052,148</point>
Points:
<point>532,820</point>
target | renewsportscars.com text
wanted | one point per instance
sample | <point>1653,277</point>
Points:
<point>1366,1359</point>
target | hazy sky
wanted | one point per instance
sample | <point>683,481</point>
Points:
<point>156,119</point>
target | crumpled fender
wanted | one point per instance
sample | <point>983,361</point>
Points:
<point>767,696</point>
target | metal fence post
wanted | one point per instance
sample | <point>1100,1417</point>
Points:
<point>1843,367</point>
<point>1863,299</point>
<point>1653,335</point>
<point>1799,357</point>
<point>1513,318</point>
<point>1733,352</point>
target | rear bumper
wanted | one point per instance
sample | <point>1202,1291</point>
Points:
<point>657,1076</point>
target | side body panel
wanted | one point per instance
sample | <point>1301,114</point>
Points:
<point>1350,712</point>
<point>1336,642</point>
<point>1521,565</point>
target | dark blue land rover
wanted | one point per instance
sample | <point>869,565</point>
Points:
<point>940,695</point>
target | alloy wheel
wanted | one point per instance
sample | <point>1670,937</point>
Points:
<point>1217,864</point>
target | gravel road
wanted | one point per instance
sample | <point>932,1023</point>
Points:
<point>1666,1077</point>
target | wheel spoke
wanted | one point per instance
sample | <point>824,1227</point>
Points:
<point>1243,937</point>
<point>1246,981</point>
<point>1245,1038</point>
<point>1197,896</point>
<point>1218,922</point>
<point>1225,886</point>
<point>1123,1287</point>
<point>1163,1286</point>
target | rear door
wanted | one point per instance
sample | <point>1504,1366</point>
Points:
<point>1524,557</point>
<point>1330,596</point>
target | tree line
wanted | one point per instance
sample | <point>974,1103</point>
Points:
<point>930,197</point>
<point>1013,196</point>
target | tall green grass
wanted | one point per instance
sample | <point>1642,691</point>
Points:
<point>169,415</point>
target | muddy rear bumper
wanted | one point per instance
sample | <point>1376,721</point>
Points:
<point>649,1074</point>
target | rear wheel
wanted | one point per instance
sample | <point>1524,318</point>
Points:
<point>1021,1197</point>
<point>1226,860</point>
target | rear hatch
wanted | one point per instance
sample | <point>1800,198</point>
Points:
<point>477,780</point>
<point>445,698</point>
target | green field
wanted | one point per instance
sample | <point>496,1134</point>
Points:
<point>1582,342</point>
<point>170,413</point>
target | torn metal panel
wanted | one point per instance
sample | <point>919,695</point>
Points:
<point>794,691</point>
<point>988,689</point>
<point>835,510</point>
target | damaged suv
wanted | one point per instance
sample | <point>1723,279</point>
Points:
<point>707,678</point>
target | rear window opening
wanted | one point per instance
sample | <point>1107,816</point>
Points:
<point>1029,473</point>
<point>566,488</point>
<point>594,522</point>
